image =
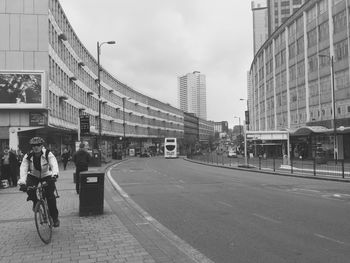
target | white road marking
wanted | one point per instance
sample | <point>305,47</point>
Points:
<point>179,186</point>
<point>195,255</point>
<point>142,224</point>
<point>305,190</point>
<point>117,199</point>
<point>149,218</point>
<point>337,197</point>
<point>225,204</point>
<point>181,181</point>
<point>330,239</point>
<point>269,219</point>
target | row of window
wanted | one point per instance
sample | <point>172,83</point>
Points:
<point>326,112</point>
<point>314,62</point>
<point>297,117</point>
<point>62,81</point>
<point>85,57</point>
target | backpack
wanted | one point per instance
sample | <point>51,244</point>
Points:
<point>30,155</point>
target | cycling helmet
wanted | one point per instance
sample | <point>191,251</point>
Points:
<point>36,140</point>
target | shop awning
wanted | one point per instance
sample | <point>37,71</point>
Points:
<point>307,130</point>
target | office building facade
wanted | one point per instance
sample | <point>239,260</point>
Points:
<point>192,94</point>
<point>300,79</point>
<point>260,23</point>
<point>206,132</point>
<point>49,82</point>
<point>221,126</point>
<point>280,10</point>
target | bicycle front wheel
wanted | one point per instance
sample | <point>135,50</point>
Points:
<point>43,222</point>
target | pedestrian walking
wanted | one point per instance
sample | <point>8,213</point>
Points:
<point>9,167</point>
<point>65,157</point>
<point>38,165</point>
<point>81,159</point>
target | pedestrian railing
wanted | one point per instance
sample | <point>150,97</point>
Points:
<point>308,167</point>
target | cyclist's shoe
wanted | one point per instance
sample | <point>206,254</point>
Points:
<point>34,204</point>
<point>56,222</point>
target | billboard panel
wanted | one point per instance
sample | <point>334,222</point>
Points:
<point>37,119</point>
<point>21,89</point>
<point>84,124</point>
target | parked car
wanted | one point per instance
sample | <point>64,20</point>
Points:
<point>232,154</point>
<point>145,154</point>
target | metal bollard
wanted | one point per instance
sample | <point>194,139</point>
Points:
<point>314,166</point>
<point>259,162</point>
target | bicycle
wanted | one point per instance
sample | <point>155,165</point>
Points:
<point>43,220</point>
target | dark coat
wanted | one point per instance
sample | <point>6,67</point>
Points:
<point>65,157</point>
<point>13,162</point>
<point>81,158</point>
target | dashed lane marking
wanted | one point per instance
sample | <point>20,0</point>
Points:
<point>305,190</point>
<point>266,218</point>
<point>225,204</point>
<point>331,239</point>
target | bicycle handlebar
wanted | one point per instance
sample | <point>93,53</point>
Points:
<point>34,187</point>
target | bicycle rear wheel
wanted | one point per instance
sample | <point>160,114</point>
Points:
<point>43,222</point>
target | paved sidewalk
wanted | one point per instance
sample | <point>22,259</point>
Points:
<point>100,238</point>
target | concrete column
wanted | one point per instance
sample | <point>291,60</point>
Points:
<point>13,138</point>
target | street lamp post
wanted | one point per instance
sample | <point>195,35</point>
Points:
<point>246,114</point>
<point>124,124</point>
<point>99,96</point>
<point>245,133</point>
<point>240,131</point>
<point>124,148</point>
<point>333,106</point>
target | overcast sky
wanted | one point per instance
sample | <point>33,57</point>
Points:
<point>159,40</point>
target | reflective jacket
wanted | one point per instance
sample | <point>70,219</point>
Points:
<point>49,166</point>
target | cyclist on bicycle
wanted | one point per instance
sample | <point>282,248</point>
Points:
<point>40,165</point>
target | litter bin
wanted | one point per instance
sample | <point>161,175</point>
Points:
<point>74,178</point>
<point>91,193</point>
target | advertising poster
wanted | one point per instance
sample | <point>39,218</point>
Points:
<point>21,89</point>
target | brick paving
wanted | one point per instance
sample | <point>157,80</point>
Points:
<point>101,238</point>
<point>123,233</point>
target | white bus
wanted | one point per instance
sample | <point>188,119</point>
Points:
<point>170,148</point>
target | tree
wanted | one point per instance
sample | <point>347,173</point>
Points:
<point>190,143</point>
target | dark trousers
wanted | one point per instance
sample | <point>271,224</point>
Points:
<point>65,164</point>
<point>49,193</point>
<point>77,176</point>
<point>14,176</point>
<point>10,175</point>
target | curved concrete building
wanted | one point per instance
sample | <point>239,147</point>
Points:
<point>300,80</point>
<point>49,82</point>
